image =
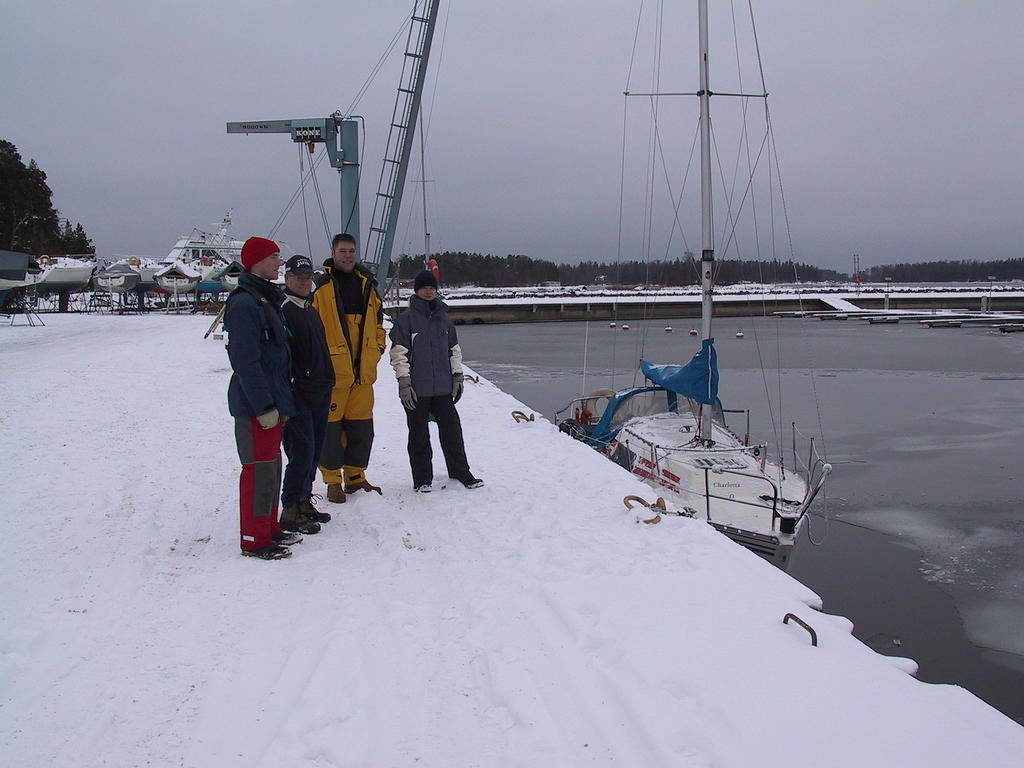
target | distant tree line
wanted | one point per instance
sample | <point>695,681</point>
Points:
<point>461,268</point>
<point>962,271</point>
<point>28,221</point>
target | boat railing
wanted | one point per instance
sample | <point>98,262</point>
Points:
<point>746,431</point>
<point>786,519</point>
<point>772,497</point>
<point>816,476</point>
<point>815,460</point>
<point>575,409</point>
<point>759,451</point>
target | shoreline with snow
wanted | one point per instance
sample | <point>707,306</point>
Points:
<point>530,622</point>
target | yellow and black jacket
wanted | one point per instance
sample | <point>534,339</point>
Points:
<point>355,339</point>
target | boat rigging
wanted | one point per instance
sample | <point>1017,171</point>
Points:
<point>339,133</point>
<point>672,431</point>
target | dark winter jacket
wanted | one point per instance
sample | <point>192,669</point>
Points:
<point>312,372</point>
<point>258,350</point>
<point>425,347</point>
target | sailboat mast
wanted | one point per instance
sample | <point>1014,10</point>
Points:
<point>707,257</point>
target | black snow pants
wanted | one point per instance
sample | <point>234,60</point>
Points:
<point>449,429</point>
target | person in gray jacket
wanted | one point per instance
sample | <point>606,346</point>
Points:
<point>427,359</point>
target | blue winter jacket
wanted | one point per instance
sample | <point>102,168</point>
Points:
<point>258,350</point>
<point>425,347</point>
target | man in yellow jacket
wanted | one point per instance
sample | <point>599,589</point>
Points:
<point>352,313</point>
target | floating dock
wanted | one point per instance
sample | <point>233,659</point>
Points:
<point>482,306</point>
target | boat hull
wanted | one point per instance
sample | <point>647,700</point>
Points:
<point>64,280</point>
<point>210,286</point>
<point>177,285</point>
<point>775,549</point>
<point>120,283</point>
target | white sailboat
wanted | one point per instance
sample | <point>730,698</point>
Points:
<point>672,432</point>
<point>201,248</point>
<point>63,274</point>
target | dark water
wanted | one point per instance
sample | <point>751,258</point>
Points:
<point>920,541</point>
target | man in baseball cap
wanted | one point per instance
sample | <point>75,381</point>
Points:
<point>298,265</point>
<point>312,380</point>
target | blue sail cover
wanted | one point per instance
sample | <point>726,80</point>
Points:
<point>698,379</point>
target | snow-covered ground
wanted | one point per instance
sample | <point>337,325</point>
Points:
<point>532,622</point>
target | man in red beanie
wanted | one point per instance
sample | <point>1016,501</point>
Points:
<point>260,397</point>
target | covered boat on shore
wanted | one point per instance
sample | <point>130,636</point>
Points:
<point>228,276</point>
<point>119,277</point>
<point>14,268</point>
<point>63,274</point>
<point>177,278</point>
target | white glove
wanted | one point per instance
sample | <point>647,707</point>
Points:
<point>269,419</point>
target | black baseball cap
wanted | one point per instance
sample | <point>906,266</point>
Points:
<point>298,265</point>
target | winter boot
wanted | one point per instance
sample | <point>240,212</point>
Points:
<point>292,520</point>
<point>286,539</point>
<point>335,494</point>
<point>424,488</point>
<point>469,481</point>
<point>361,485</point>
<point>309,512</point>
<point>273,552</point>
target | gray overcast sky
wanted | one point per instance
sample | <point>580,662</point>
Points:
<point>899,124</point>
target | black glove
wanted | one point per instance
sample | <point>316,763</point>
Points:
<point>406,393</point>
<point>457,386</point>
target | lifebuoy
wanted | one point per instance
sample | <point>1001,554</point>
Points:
<point>589,403</point>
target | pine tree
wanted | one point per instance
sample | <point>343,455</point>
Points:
<point>28,221</point>
<point>74,240</point>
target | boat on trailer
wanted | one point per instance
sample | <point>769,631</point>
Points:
<point>672,432</point>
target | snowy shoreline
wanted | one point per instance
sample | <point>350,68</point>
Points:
<point>531,622</point>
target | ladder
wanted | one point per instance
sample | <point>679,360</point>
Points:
<point>380,238</point>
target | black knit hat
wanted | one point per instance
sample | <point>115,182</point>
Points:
<point>423,279</point>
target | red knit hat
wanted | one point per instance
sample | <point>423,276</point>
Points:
<point>256,249</point>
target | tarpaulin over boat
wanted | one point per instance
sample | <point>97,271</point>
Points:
<point>14,265</point>
<point>697,380</point>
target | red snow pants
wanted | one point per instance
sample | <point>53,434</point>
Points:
<point>259,485</point>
